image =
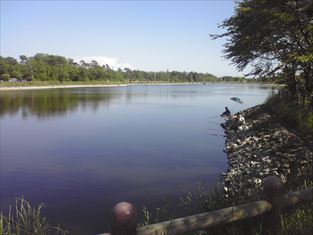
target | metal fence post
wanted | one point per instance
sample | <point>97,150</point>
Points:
<point>273,189</point>
<point>124,219</point>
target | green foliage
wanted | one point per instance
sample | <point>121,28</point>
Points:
<point>5,76</point>
<point>17,74</point>
<point>275,37</point>
<point>232,79</point>
<point>25,220</point>
<point>45,67</point>
<point>291,112</point>
<point>308,120</point>
<point>301,221</point>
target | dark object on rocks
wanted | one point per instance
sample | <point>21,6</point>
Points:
<point>226,113</point>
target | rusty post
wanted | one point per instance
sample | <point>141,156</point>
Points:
<point>273,189</point>
<point>124,219</point>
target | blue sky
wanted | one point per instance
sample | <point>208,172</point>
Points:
<point>146,35</point>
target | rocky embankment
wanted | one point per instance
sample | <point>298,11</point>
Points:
<point>256,147</point>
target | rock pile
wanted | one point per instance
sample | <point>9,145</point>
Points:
<point>257,147</point>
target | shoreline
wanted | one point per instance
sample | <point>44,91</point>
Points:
<point>58,87</point>
<point>40,87</point>
<point>261,147</point>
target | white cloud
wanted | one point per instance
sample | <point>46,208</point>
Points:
<point>113,62</point>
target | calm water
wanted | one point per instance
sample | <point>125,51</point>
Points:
<point>80,151</point>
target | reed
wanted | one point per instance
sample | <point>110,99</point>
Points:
<point>25,219</point>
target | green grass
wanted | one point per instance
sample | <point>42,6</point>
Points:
<point>57,83</point>
<point>299,222</point>
<point>25,219</point>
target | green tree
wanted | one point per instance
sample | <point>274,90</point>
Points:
<point>23,58</point>
<point>274,37</point>
<point>45,67</point>
<point>17,74</point>
<point>5,77</point>
<point>26,68</point>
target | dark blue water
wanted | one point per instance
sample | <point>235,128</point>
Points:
<point>80,151</point>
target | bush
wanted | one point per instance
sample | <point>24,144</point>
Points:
<point>290,112</point>
<point>5,77</point>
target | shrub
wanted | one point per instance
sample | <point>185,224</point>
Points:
<point>5,77</point>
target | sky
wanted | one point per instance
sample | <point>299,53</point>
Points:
<point>145,35</point>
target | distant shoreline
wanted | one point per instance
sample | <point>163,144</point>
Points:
<point>39,87</point>
<point>57,86</point>
<point>52,86</point>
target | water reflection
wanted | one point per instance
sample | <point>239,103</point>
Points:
<point>51,103</point>
<point>80,151</point>
<point>60,102</point>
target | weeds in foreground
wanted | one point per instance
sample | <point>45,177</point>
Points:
<point>299,221</point>
<point>26,220</point>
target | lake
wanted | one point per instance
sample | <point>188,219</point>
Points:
<point>82,150</point>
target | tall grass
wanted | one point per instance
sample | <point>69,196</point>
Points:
<point>207,198</point>
<point>298,221</point>
<point>27,220</point>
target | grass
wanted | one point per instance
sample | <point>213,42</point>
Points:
<point>299,221</point>
<point>27,220</point>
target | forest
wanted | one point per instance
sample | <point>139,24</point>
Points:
<point>45,67</point>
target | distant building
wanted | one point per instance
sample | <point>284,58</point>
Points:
<point>13,80</point>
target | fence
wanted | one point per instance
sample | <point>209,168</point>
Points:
<point>125,214</point>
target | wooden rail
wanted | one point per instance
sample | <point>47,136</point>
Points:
<point>206,220</point>
<point>125,214</point>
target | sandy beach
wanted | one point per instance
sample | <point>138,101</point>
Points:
<point>87,85</point>
<point>57,86</point>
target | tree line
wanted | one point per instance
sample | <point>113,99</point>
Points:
<point>275,38</point>
<point>45,67</point>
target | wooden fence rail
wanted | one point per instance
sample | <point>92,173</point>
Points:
<point>125,214</point>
